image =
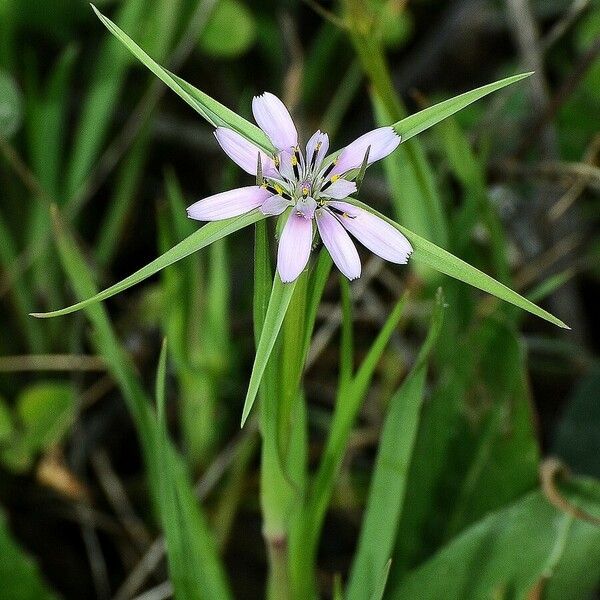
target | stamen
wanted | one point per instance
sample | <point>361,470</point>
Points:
<point>313,160</point>
<point>295,160</point>
<point>329,168</point>
<point>339,212</point>
<point>277,189</point>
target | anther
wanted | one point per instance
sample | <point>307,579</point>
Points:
<point>295,159</point>
<point>313,160</point>
<point>339,212</point>
<point>329,168</point>
<point>277,190</point>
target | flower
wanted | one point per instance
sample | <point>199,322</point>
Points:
<point>313,185</point>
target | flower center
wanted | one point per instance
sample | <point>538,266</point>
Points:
<point>305,188</point>
<point>305,207</point>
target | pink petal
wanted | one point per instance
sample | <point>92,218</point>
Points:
<point>338,243</point>
<point>383,141</point>
<point>322,141</point>
<point>244,153</point>
<point>228,204</point>
<point>374,233</point>
<point>339,189</point>
<point>274,119</point>
<point>294,247</point>
<point>274,205</point>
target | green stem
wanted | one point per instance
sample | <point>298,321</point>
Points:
<point>277,494</point>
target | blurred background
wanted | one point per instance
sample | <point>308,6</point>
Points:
<point>511,184</point>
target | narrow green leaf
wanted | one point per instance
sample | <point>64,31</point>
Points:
<point>390,477</point>
<point>179,558</point>
<point>206,572</point>
<point>205,236</point>
<point>98,107</point>
<point>346,341</point>
<point>281,295</point>
<point>549,285</point>
<point>348,404</point>
<point>11,105</point>
<point>291,362</point>
<point>214,112</point>
<point>424,119</point>
<point>414,192</point>
<point>380,588</point>
<point>276,489</point>
<point>22,294</point>
<point>317,284</point>
<point>129,175</point>
<point>263,277</point>
<point>445,262</point>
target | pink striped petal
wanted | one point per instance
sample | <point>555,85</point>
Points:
<point>317,148</point>
<point>339,189</point>
<point>294,247</point>
<point>338,243</point>
<point>228,204</point>
<point>274,205</point>
<point>244,153</point>
<point>383,141</point>
<point>274,119</point>
<point>374,233</point>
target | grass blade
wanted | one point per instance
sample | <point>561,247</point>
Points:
<point>380,589</point>
<point>99,105</point>
<point>22,294</point>
<point>424,119</point>
<point>281,295</point>
<point>317,284</point>
<point>348,404</point>
<point>214,112</point>
<point>182,570</point>
<point>205,236</point>
<point>445,262</point>
<point>390,477</point>
<point>206,573</point>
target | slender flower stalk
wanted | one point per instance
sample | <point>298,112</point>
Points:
<point>312,187</point>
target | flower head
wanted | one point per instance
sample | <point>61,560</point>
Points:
<point>311,184</point>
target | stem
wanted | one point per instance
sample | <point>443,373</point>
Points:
<point>279,584</point>
<point>277,493</point>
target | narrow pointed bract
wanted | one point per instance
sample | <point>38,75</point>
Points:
<point>312,186</point>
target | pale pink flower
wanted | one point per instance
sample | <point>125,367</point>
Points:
<point>313,186</point>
